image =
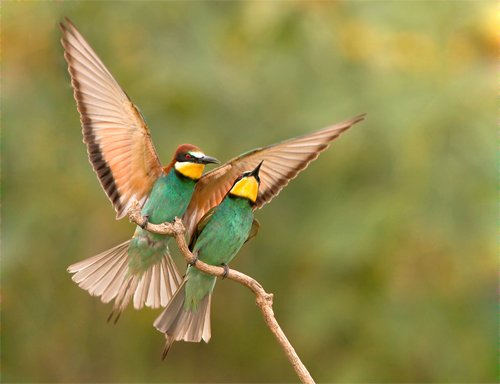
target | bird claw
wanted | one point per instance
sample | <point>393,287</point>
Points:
<point>145,222</point>
<point>193,261</point>
<point>226,270</point>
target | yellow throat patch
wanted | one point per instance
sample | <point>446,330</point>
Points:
<point>191,170</point>
<point>248,187</point>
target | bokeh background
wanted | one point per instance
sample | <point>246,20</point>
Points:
<point>381,255</point>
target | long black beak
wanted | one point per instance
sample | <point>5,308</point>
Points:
<point>209,160</point>
<point>255,172</point>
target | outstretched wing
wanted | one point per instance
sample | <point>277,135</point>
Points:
<point>282,163</point>
<point>118,142</point>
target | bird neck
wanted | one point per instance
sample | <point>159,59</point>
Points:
<point>238,201</point>
<point>192,171</point>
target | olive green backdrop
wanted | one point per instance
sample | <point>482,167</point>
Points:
<point>381,255</point>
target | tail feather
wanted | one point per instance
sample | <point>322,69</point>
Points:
<point>90,266</point>
<point>168,344</point>
<point>109,281</point>
<point>107,275</point>
<point>187,325</point>
<point>114,287</point>
<point>154,294</point>
<point>165,279</point>
<point>93,273</point>
<point>141,292</point>
<point>123,297</point>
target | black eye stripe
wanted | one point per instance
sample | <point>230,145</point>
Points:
<point>246,174</point>
<point>185,156</point>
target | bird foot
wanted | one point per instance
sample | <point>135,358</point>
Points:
<point>145,222</point>
<point>193,261</point>
<point>226,270</point>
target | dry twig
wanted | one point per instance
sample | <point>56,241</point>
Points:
<point>264,300</point>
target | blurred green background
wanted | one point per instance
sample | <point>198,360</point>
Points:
<point>381,255</point>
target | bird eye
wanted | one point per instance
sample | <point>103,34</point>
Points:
<point>188,156</point>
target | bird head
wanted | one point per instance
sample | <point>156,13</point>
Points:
<point>247,185</point>
<point>190,161</point>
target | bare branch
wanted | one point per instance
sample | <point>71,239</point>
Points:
<point>264,300</point>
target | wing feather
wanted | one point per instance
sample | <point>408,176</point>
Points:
<point>282,162</point>
<point>118,141</point>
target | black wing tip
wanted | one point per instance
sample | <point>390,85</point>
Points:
<point>66,23</point>
<point>358,118</point>
<point>338,128</point>
<point>350,122</point>
<point>67,29</point>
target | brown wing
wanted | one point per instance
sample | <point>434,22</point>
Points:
<point>282,163</point>
<point>254,230</point>
<point>118,141</point>
<point>200,226</point>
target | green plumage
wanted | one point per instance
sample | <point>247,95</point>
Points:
<point>169,198</point>
<point>219,241</point>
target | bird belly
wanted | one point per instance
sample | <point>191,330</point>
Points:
<point>145,250</point>
<point>225,234</point>
<point>218,243</point>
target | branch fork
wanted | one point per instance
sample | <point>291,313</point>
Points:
<point>263,299</point>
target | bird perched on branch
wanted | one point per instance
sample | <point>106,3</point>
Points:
<point>123,156</point>
<point>217,239</point>
<point>282,162</point>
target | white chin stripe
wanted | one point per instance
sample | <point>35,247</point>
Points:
<point>198,155</point>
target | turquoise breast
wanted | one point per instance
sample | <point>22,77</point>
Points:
<point>169,198</point>
<point>226,231</point>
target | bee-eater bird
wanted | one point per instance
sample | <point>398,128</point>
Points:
<point>123,156</point>
<point>216,240</point>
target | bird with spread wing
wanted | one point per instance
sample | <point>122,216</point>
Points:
<point>123,156</point>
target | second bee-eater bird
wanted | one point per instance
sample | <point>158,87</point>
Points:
<point>217,239</point>
<point>123,156</point>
